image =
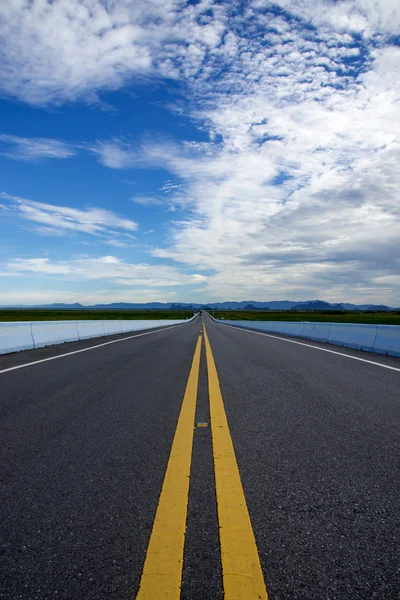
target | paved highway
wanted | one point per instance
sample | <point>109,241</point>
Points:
<point>292,451</point>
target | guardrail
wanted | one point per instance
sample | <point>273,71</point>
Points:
<point>383,339</point>
<point>26,335</point>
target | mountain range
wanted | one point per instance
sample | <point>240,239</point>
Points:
<point>234,305</point>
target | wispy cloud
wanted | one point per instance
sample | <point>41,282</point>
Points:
<point>59,220</point>
<point>116,154</point>
<point>147,200</point>
<point>107,268</point>
<point>32,149</point>
<point>170,186</point>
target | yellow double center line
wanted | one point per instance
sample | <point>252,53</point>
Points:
<point>162,571</point>
<point>241,570</point>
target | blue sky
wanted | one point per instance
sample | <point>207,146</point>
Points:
<point>199,151</point>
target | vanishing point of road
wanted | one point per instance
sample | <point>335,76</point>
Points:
<point>199,462</point>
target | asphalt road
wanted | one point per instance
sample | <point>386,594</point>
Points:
<point>86,441</point>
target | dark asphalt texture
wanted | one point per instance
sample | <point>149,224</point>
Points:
<point>85,444</point>
<point>317,440</point>
<point>202,562</point>
<point>86,440</point>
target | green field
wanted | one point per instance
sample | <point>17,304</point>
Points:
<point>81,315</point>
<point>374,318</point>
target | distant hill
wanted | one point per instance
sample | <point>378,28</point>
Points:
<point>133,305</point>
<point>380,307</point>
<point>61,305</point>
<point>182,307</point>
<point>233,305</point>
<point>317,305</point>
<point>252,307</point>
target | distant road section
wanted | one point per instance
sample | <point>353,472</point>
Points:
<point>301,447</point>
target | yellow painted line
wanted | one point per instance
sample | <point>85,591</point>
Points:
<point>162,571</point>
<point>241,569</point>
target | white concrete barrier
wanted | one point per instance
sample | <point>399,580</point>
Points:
<point>387,340</point>
<point>26,335</point>
<point>384,339</point>
<point>89,329</point>
<point>15,336</point>
<point>319,332</point>
<point>127,326</point>
<point>46,333</point>
<point>273,326</point>
<point>112,327</point>
<point>353,335</point>
<point>293,328</point>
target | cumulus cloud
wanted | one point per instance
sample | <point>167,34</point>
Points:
<point>366,17</point>
<point>52,52</point>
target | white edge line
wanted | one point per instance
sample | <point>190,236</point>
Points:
<point>371,362</point>
<point>42,360</point>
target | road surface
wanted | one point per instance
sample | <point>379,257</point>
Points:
<point>94,504</point>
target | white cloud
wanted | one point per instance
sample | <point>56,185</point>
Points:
<point>32,149</point>
<point>115,154</point>
<point>118,244</point>
<point>53,52</point>
<point>365,17</point>
<point>59,220</point>
<point>170,186</point>
<point>147,200</point>
<point>68,48</point>
<point>99,296</point>
<point>296,193</point>
<point>106,268</point>
<point>299,195</point>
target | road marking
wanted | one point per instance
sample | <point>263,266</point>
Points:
<point>241,569</point>
<point>37,362</point>
<point>371,362</point>
<point>162,571</point>
<point>202,424</point>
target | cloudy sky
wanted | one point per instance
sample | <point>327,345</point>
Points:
<point>199,150</point>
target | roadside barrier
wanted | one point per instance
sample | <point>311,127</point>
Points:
<point>112,327</point>
<point>387,340</point>
<point>89,329</point>
<point>46,333</point>
<point>383,339</point>
<point>15,337</point>
<point>354,336</point>
<point>26,335</point>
